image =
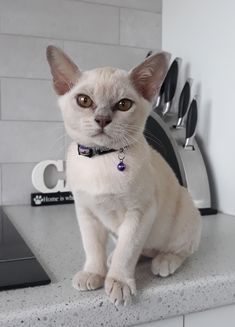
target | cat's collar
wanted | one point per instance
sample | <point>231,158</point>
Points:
<point>91,152</point>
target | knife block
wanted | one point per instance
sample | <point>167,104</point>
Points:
<point>188,164</point>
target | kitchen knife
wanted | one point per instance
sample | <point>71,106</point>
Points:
<point>191,124</point>
<point>183,104</point>
<point>160,96</point>
<point>149,54</point>
<point>170,83</point>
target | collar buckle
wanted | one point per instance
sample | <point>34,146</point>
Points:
<point>85,151</point>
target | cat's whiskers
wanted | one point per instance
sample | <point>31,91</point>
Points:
<point>118,140</point>
<point>149,135</point>
<point>128,135</point>
<point>134,164</point>
<point>120,129</point>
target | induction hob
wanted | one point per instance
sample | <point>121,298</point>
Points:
<point>18,265</point>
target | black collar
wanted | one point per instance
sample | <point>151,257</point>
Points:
<point>91,152</point>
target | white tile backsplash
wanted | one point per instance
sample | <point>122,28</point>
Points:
<point>17,174</point>
<point>24,56</point>
<point>140,29</point>
<point>14,177</point>
<point>88,56</point>
<point>29,99</point>
<point>148,5</point>
<point>30,141</point>
<point>60,19</point>
<point>94,33</point>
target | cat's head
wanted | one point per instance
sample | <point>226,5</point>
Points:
<point>106,107</point>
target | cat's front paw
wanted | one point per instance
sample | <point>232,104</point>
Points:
<point>120,292</point>
<point>85,281</point>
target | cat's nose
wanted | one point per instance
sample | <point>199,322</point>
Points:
<point>103,120</point>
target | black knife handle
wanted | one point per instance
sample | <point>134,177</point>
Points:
<point>184,100</point>
<point>170,81</point>
<point>150,52</point>
<point>162,89</point>
<point>191,119</point>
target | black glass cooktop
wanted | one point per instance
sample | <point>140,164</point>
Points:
<point>18,265</point>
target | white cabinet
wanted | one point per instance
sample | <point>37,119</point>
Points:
<point>219,317</point>
<point>172,322</point>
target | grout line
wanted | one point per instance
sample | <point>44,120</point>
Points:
<point>18,163</point>
<point>116,6</point>
<point>27,78</point>
<point>119,26</point>
<point>1,190</point>
<point>72,40</point>
<point>142,10</point>
<point>24,162</point>
<point>0,99</point>
<point>53,38</point>
<point>31,121</point>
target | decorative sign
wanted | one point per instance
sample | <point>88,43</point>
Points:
<point>59,194</point>
<point>45,199</point>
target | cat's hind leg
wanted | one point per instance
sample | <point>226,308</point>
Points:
<point>165,264</point>
<point>182,236</point>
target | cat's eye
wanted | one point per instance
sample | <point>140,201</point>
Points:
<point>84,101</point>
<point>124,104</point>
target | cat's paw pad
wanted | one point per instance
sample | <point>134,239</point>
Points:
<point>85,281</point>
<point>120,292</point>
<point>165,264</point>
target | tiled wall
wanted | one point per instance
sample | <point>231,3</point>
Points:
<point>95,33</point>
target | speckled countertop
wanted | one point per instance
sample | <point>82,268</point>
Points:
<point>206,280</point>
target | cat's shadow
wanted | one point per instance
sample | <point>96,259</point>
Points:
<point>144,276</point>
<point>146,279</point>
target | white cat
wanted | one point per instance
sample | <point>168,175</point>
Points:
<point>131,192</point>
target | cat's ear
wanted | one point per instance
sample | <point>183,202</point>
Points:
<point>148,76</point>
<point>65,73</point>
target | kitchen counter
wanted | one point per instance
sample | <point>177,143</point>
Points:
<point>206,280</point>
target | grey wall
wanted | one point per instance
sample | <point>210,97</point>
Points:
<point>205,41</point>
<point>94,33</point>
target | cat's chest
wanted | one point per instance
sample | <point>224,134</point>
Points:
<point>98,175</point>
<point>105,203</point>
<point>110,209</point>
